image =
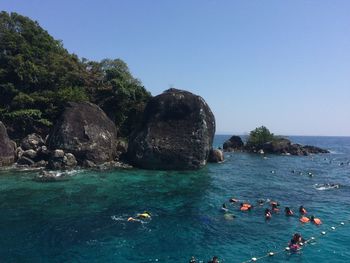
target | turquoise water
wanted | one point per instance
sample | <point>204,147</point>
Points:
<point>84,219</point>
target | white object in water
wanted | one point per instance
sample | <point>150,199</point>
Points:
<point>254,259</point>
<point>323,232</point>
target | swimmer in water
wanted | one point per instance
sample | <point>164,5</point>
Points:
<point>215,259</point>
<point>144,215</point>
<point>233,200</point>
<point>268,214</point>
<point>288,211</point>
<point>296,242</point>
<point>302,210</point>
<point>261,201</point>
<point>224,207</point>
<point>316,221</point>
<point>274,207</point>
<point>246,207</point>
<point>193,260</point>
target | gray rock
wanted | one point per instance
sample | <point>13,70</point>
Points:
<point>7,151</point>
<point>216,156</point>
<point>32,141</point>
<point>233,144</point>
<point>85,131</point>
<point>69,160</point>
<point>25,161</point>
<point>31,154</point>
<point>176,133</point>
<point>19,152</point>
<point>58,153</point>
<point>41,163</point>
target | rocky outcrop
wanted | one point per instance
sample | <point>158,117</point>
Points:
<point>176,133</point>
<point>85,131</point>
<point>7,147</point>
<point>60,160</point>
<point>216,156</point>
<point>32,142</point>
<point>285,146</point>
<point>235,143</point>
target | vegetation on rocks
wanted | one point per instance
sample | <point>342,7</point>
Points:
<point>38,76</point>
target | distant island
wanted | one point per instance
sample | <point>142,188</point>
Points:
<point>262,141</point>
<point>58,111</point>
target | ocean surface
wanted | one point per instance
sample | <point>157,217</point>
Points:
<point>84,219</point>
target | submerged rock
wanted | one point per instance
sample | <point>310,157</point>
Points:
<point>176,133</point>
<point>216,156</point>
<point>85,131</point>
<point>7,147</point>
<point>50,176</point>
<point>233,144</point>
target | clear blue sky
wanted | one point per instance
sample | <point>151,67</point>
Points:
<point>283,64</point>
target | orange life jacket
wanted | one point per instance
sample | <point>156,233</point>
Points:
<point>304,219</point>
<point>317,221</point>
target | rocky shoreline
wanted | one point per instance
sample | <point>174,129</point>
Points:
<point>278,145</point>
<point>176,132</point>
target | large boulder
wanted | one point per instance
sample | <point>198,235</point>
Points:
<point>279,146</point>
<point>7,147</point>
<point>233,144</point>
<point>32,142</point>
<point>85,131</point>
<point>216,156</point>
<point>176,133</point>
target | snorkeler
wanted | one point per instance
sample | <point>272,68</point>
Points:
<point>224,207</point>
<point>304,219</point>
<point>274,207</point>
<point>144,215</point>
<point>246,207</point>
<point>288,211</point>
<point>233,200</point>
<point>316,221</point>
<point>268,214</point>
<point>296,242</point>
<point>215,259</point>
<point>302,210</point>
<point>192,260</point>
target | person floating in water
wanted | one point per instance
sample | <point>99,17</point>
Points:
<point>246,207</point>
<point>296,242</point>
<point>302,210</point>
<point>233,200</point>
<point>224,207</point>
<point>304,219</point>
<point>274,207</point>
<point>144,215</point>
<point>193,260</point>
<point>315,220</point>
<point>288,211</point>
<point>268,214</point>
<point>215,259</point>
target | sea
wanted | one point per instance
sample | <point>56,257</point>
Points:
<point>84,218</point>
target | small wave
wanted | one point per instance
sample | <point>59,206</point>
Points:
<point>323,187</point>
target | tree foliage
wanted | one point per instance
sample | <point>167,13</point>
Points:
<point>38,76</point>
<point>259,136</point>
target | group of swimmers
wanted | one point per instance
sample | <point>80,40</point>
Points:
<point>215,259</point>
<point>245,206</point>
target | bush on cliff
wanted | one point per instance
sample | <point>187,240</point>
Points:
<point>258,137</point>
<point>38,76</point>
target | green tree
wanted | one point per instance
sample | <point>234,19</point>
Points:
<point>259,136</point>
